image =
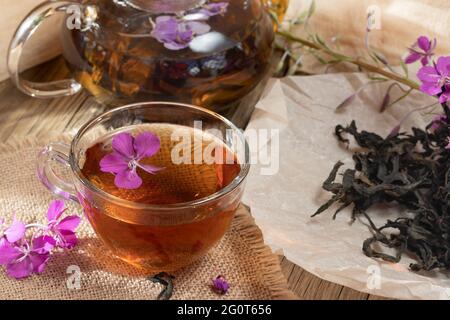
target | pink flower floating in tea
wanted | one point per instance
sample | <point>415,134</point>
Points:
<point>126,157</point>
<point>176,33</point>
<point>221,285</point>
<point>24,256</point>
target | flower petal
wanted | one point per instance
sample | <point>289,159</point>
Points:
<point>424,43</point>
<point>443,65</point>
<point>69,239</point>
<point>161,19</point>
<point>8,252</point>
<point>39,261</point>
<point>428,74</point>
<point>21,269</point>
<point>16,231</point>
<point>55,210</point>
<point>113,163</point>
<point>128,179</point>
<point>146,144</point>
<point>221,285</point>
<point>430,88</point>
<point>176,34</point>
<point>122,143</point>
<point>150,168</point>
<point>175,45</point>
<point>69,223</point>
<point>213,9</point>
<point>425,61</point>
<point>198,28</point>
<point>43,244</point>
<point>412,57</point>
<point>166,29</point>
<point>443,98</point>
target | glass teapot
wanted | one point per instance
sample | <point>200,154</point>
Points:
<point>211,53</point>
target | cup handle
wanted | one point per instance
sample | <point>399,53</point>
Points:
<point>24,32</point>
<point>55,152</point>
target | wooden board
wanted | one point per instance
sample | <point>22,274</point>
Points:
<point>21,115</point>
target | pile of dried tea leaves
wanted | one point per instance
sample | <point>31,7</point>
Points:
<point>408,170</point>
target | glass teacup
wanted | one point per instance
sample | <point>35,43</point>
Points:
<point>164,235</point>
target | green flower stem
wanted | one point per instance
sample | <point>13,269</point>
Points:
<point>356,61</point>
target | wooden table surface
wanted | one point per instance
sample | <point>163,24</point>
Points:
<point>21,115</point>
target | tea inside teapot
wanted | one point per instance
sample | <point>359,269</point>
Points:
<point>214,54</point>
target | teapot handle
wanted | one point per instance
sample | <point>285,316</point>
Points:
<point>25,30</point>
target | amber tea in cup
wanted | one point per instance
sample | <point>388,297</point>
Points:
<point>178,213</point>
<point>165,245</point>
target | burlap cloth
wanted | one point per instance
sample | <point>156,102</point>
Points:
<point>252,270</point>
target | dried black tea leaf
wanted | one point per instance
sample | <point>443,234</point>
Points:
<point>165,280</point>
<point>410,171</point>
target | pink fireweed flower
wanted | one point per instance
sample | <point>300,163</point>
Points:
<point>436,79</point>
<point>220,285</point>
<point>24,256</point>
<point>422,50</point>
<point>126,156</point>
<point>15,232</point>
<point>62,230</point>
<point>21,259</point>
<point>176,34</point>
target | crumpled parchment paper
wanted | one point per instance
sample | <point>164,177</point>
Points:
<point>303,110</point>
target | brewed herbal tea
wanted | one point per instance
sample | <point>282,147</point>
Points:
<point>169,240</point>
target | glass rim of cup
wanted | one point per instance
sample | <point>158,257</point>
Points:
<point>245,167</point>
